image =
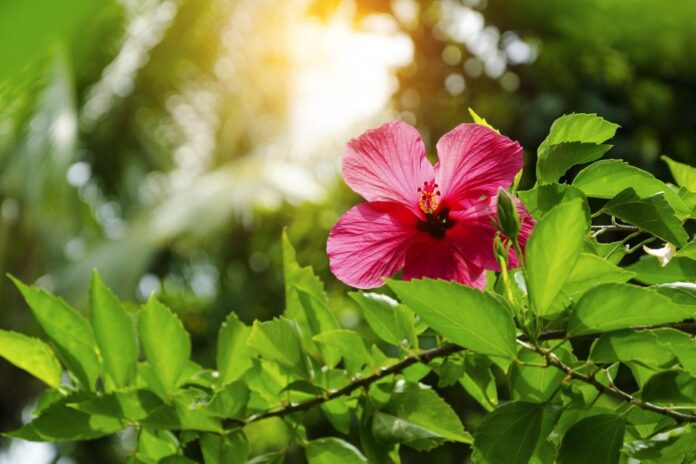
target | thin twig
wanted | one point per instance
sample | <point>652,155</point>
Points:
<point>614,227</point>
<point>424,357</point>
<point>449,349</point>
<point>611,389</point>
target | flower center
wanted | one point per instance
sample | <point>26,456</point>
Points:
<point>429,201</point>
<point>437,219</point>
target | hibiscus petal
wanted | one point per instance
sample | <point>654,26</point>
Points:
<point>474,231</point>
<point>441,259</point>
<point>473,162</point>
<point>388,164</point>
<point>369,242</point>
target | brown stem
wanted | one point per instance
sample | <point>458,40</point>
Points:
<point>449,348</point>
<point>611,390</point>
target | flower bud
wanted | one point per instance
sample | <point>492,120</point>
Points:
<point>500,248</point>
<point>508,219</point>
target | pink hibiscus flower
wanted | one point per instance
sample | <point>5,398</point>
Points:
<point>430,221</point>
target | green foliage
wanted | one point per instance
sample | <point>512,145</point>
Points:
<point>552,251</point>
<point>69,332</point>
<point>594,439</point>
<point>166,344</point>
<point>233,355</point>
<point>228,449</point>
<point>569,358</point>
<point>684,175</point>
<point>416,416</point>
<point>344,344</point>
<point>614,306</point>
<point>573,139</point>
<point>331,450</point>
<point>542,198</point>
<point>608,178</point>
<point>32,355</point>
<point>279,341</point>
<point>652,214</point>
<point>60,422</point>
<point>509,434</point>
<point>114,334</point>
<point>465,316</point>
<point>392,322</point>
<point>531,379</point>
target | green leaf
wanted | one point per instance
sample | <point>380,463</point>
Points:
<point>674,388</point>
<point>233,354</point>
<point>689,199</point>
<point>59,422</point>
<point>480,121</point>
<point>588,272</point>
<point>345,344</point>
<point>392,322</point>
<point>684,175</point>
<point>32,355</point>
<point>573,139</point>
<point>652,214</point>
<point>509,434</point>
<point>649,271</point>
<point>555,160</point>
<point>639,346</point>
<point>595,439</point>
<point>542,198</point>
<point>420,406</point>
<point>134,405</point>
<point>279,341</point>
<point>69,332</point>
<point>338,413</point>
<point>47,398</point>
<point>674,446</point>
<point>552,251</point>
<point>276,457</point>
<point>681,293</point>
<point>605,179</point>
<point>580,127</point>
<point>689,251</point>
<point>176,459</point>
<point>154,445</point>
<point>478,380</point>
<point>305,300</point>
<point>681,344</point>
<point>333,450</point>
<point>392,430</point>
<point>114,333</point>
<point>641,423</point>
<point>375,450</point>
<point>612,252</point>
<point>465,316</point>
<point>615,306</point>
<point>304,386</point>
<point>231,401</point>
<point>166,343</point>
<point>187,411</point>
<point>531,383</point>
<point>224,449</point>
<point>317,312</point>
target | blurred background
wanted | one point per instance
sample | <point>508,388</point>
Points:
<point>168,142</point>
